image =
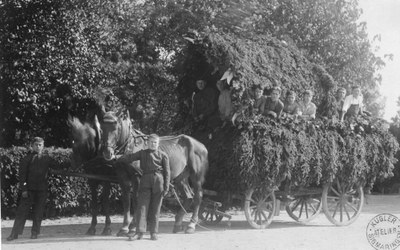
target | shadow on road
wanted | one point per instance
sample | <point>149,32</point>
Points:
<point>76,232</point>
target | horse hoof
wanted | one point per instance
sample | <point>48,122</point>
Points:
<point>91,231</point>
<point>106,231</point>
<point>122,233</point>
<point>177,229</point>
<point>190,230</point>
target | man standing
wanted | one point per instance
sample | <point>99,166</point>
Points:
<point>33,174</point>
<point>154,185</point>
<point>204,102</point>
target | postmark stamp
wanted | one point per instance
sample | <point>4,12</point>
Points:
<point>383,231</point>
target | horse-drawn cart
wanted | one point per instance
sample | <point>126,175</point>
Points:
<point>307,166</point>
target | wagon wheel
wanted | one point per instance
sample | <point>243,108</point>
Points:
<point>304,208</point>
<point>259,207</point>
<point>208,217</point>
<point>342,203</point>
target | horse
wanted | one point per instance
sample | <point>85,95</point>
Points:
<point>86,154</point>
<point>188,160</point>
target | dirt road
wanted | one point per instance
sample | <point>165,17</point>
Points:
<point>283,233</point>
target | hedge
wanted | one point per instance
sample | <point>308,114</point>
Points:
<point>67,195</point>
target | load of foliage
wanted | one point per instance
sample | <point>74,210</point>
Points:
<point>264,152</point>
<point>67,195</point>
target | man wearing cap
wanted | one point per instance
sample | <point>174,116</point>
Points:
<point>204,102</point>
<point>33,182</point>
<point>154,185</point>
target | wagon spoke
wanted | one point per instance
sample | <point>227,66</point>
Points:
<point>269,206</point>
<point>351,191</point>
<point>253,211</point>
<point>350,205</point>
<point>334,212</point>
<point>266,197</point>
<point>345,209</point>
<point>338,185</point>
<point>259,218</point>
<point>255,216</point>
<point>313,208</point>
<point>315,200</point>
<point>345,187</point>
<point>263,214</point>
<point>301,209</point>
<point>251,200</point>
<point>305,205</point>
<point>333,197</point>
<point>334,190</point>
<point>341,212</point>
<point>296,205</point>
<point>212,217</point>
<point>208,214</point>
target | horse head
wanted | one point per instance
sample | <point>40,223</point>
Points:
<point>86,140</point>
<point>116,134</point>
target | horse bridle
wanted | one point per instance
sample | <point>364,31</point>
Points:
<point>117,149</point>
<point>121,149</point>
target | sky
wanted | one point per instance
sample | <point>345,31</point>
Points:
<point>383,17</point>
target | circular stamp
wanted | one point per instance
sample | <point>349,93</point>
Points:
<point>383,231</point>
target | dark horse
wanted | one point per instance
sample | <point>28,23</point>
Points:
<point>86,154</point>
<point>188,159</point>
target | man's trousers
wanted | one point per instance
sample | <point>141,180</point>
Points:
<point>37,199</point>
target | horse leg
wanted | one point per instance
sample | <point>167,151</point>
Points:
<point>126,203</point>
<point>198,195</point>
<point>133,197</point>
<point>186,192</point>
<point>106,207</point>
<point>93,207</point>
<point>179,216</point>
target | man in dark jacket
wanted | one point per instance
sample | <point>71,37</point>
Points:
<point>33,182</point>
<point>154,185</point>
<point>204,101</point>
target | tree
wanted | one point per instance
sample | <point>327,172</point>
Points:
<point>54,54</point>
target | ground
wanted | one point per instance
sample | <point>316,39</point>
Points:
<point>283,233</point>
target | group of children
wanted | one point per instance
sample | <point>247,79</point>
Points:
<point>347,106</point>
<point>273,107</point>
<point>210,108</point>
